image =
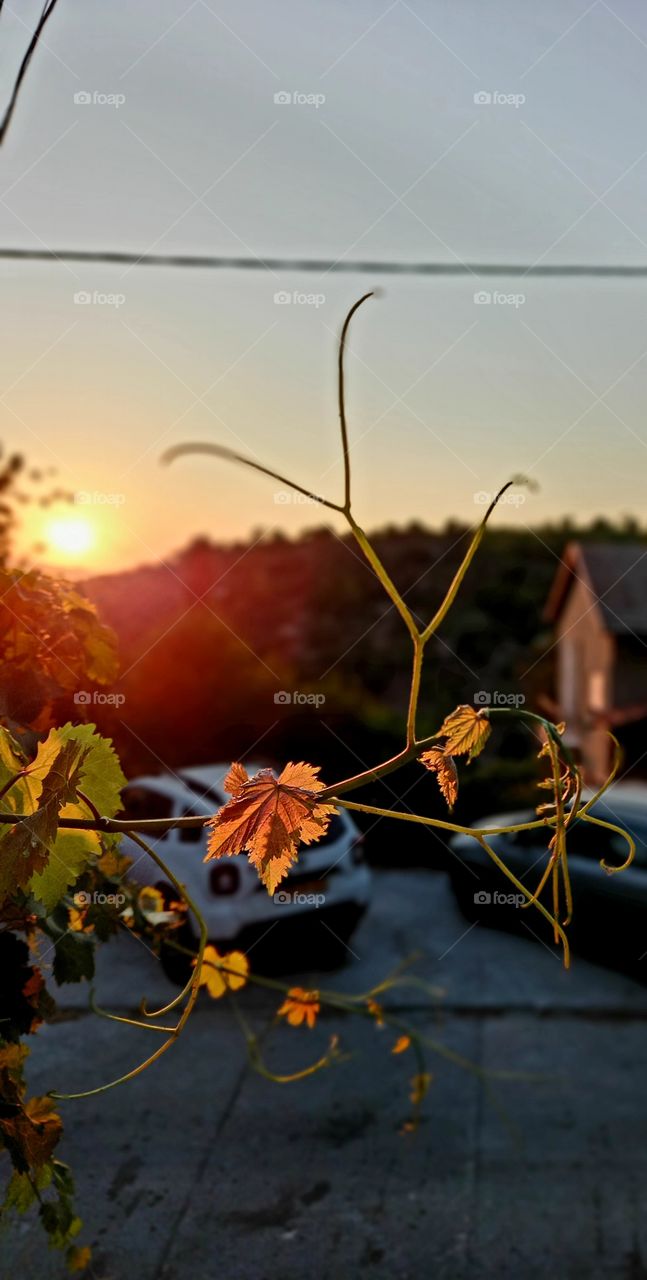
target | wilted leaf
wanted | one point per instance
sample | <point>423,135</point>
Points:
<point>465,730</point>
<point>442,764</point>
<point>300,1006</point>
<point>32,1133</point>
<point>268,817</point>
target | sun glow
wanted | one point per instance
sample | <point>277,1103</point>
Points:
<point>71,536</point>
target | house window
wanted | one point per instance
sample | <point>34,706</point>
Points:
<point>597,691</point>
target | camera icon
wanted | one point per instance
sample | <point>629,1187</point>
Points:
<point>83,298</point>
<point>482,898</point>
<point>282,496</point>
<point>482,298</point>
<point>482,498</point>
<point>82,900</point>
<point>82,98</point>
<point>282,298</point>
<point>282,98</point>
<point>282,697</point>
<point>82,698</point>
<point>482,698</point>
<point>482,99</point>
<point>282,898</point>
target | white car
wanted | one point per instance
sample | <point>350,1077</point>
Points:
<point>320,901</point>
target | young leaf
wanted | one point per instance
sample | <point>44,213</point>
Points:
<point>442,764</point>
<point>268,818</point>
<point>300,1006</point>
<point>465,730</point>
<point>217,979</point>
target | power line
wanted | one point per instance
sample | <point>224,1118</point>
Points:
<point>324,265</point>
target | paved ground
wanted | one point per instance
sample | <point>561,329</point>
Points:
<point>202,1169</point>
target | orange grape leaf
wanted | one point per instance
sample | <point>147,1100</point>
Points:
<point>442,764</point>
<point>401,1044</point>
<point>465,730</point>
<point>236,778</point>
<point>268,818</point>
<point>300,1006</point>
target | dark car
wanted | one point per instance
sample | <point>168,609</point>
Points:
<point>610,911</point>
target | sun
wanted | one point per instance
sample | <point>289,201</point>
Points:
<point>70,535</point>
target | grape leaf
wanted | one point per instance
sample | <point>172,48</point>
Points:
<point>101,779</point>
<point>218,980</point>
<point>73,958</point>
<point>26,846</point>
<point>465,730</point>
<point>268,817</point>
<point>300,1006</point>
<point>442,764</point>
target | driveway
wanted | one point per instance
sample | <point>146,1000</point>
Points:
<point>202,1169</point>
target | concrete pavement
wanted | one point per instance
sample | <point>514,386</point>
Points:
<point>202,1169</point>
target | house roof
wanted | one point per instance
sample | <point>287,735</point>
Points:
<point>616,573</point>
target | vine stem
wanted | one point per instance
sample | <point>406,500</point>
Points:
<point>192,988</point>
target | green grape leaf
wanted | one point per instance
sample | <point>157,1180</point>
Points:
<point>73,958</point>
<point>26,846</point>
<point>99,778</point>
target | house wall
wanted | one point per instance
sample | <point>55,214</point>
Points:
<point>585,662</point>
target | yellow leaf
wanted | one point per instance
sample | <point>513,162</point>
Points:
<point>222,972</point>
<point>150,900</point>
<point>442,764</point>
<point>237,966</point>
<point>300,1006</point>
<point>401,1044</point>
<point>465,730</point>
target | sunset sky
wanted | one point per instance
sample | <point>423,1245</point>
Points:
<point>448,397</point>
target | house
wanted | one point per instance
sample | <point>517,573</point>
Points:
<point>598,608</point>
